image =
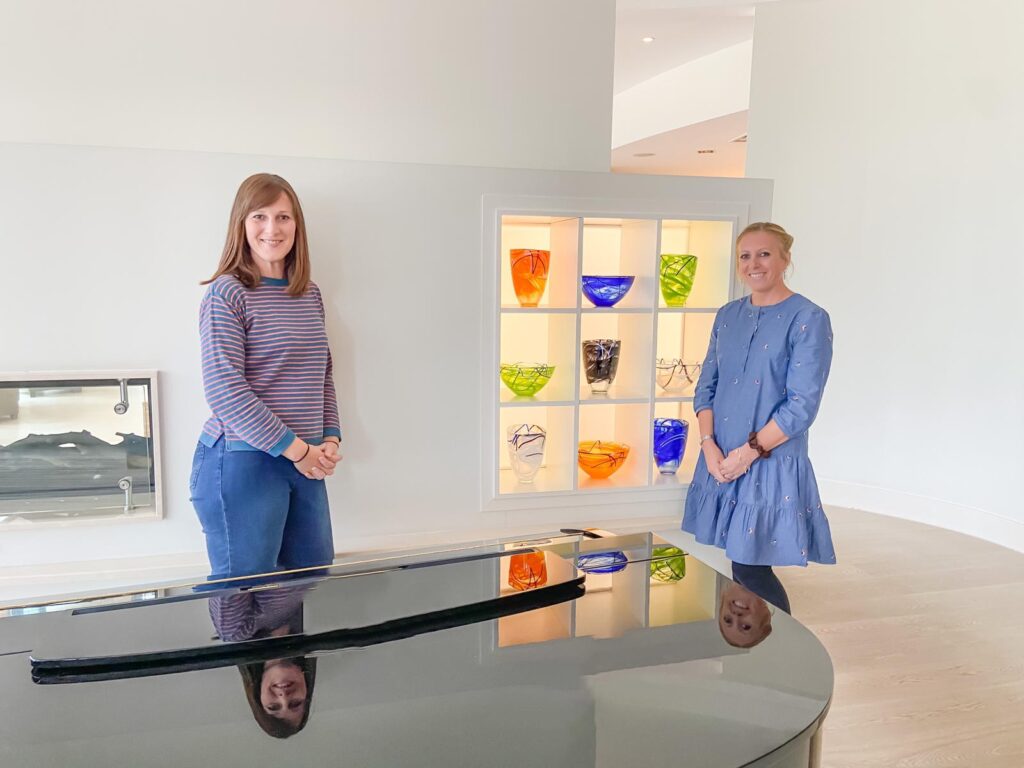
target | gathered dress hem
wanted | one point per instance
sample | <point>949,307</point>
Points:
<point>792,533</point>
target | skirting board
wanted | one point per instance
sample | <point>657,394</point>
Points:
<point>972,521</point>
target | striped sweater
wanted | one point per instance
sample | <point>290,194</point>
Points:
<point>244,615</point>
<point>266,366</point>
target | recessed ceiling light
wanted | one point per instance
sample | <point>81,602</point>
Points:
<point>646,39</point>
<point>705,151</point>
<point>643,154</point>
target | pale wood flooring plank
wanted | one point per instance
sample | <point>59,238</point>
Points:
<point>926,631</point>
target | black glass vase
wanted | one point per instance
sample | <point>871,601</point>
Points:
<point>600,362</point>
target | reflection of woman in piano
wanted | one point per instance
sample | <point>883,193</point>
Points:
<point>744,619</point>
<point>279,691</point>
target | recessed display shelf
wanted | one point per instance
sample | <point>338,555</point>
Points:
<point>567,331</point>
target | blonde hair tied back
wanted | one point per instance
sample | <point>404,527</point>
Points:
<point>785,239</point>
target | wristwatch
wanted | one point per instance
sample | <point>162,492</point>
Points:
<point>705,437</point>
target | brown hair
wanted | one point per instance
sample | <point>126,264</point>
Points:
<point>252,681</point>
<point>785,239</point>
<point>259,191</point>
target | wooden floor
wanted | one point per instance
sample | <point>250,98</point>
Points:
<point>926,632</point>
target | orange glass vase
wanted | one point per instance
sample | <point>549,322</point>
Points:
<point>527,571</point>
<point>529,274</point>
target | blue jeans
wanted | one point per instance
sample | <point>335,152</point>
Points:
<point>258,513</point>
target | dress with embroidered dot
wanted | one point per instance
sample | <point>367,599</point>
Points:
<point>759,518</point>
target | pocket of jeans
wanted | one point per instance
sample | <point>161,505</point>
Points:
<point>197,464</point>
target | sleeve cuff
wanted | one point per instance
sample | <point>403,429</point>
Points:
<point>279,447</point>
<point>332,432</point>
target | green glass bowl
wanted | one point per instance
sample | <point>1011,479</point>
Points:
<point>677,273</point>
<point>526,379</point>
<point>668,564</point>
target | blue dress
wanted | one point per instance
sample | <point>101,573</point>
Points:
<point>764,363</point>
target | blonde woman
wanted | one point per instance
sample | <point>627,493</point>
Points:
<point>754,493</point>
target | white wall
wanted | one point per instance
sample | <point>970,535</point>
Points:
<point>107,246</point>
<point>891,129</point>
<point>471,82</point>
<point>112,243</point>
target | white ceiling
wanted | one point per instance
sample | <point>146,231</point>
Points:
<point>675,152</point>
<point>683,30</point>
<point>680,35</point>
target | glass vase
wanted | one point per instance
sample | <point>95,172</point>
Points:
<point>669,444</point>
<point>529,274</point>
<point>677,273</point>
<point>600,362</point>
<point>527,571</point>
<point>526,450</point>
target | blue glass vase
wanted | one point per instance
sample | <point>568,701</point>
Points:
<point>669,444</point>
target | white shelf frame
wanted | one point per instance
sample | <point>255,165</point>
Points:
<point>494,209</point>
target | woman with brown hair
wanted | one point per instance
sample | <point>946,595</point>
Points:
<point>279,691</point>
<point>273,436</point>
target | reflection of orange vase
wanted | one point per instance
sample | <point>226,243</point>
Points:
<point>529,274</point>
<point>527,571</point>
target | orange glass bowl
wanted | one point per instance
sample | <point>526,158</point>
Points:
<point>529,274</point>
<point>601,458</point>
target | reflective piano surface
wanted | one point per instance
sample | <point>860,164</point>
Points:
<point>422,659</point>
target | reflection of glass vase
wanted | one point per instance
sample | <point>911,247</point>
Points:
<point>529,274</point>
<point>677,273</point>
<point>669,444</point>
<point>602,562</point>
<point>526,450</point>
<point>676,376</point>
<point>668,564</point>
<point>600,362</point>
<point>527,571</point>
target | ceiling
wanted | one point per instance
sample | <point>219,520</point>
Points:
<point>683,30</point>
<point>675,152</point>
<point>680,36</point>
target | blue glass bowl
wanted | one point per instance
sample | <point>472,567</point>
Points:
<point>602,562</point>
<point>606,290</point>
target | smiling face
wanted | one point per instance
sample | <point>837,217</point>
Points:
<point>270,232</point>
<point>744,619</point>
<point>762,262</point>
<point>283,691</point>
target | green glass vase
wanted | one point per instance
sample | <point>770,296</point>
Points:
<point>677,273</point>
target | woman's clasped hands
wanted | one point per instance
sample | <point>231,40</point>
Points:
<point>316,462</point>
<point>724,468</point>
